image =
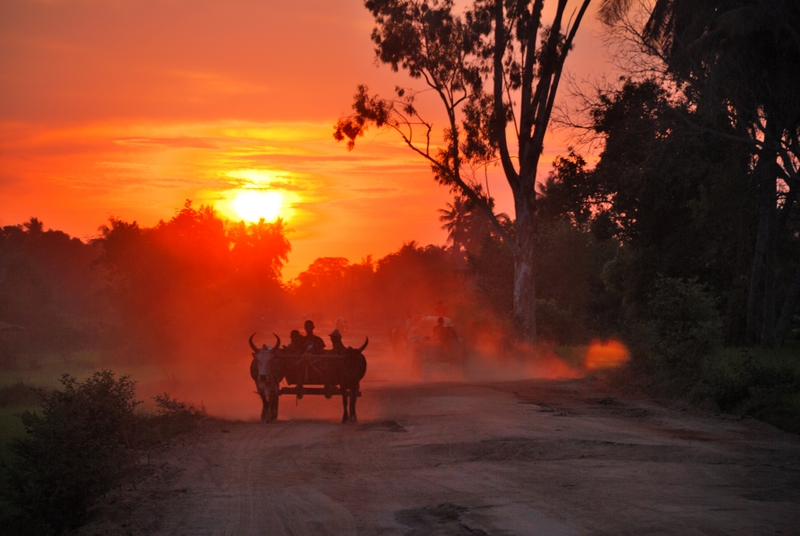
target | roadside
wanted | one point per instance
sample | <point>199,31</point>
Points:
<point>521,457</point>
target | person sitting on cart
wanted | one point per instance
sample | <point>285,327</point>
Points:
<point>438,331</point>
<point>297,345</point>
<point>312,344</point>
<point>442,334</point>
<point>336,341</point>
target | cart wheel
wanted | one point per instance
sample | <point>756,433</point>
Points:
<point>273,407</point>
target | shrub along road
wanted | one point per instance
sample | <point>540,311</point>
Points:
<point>524,457</point>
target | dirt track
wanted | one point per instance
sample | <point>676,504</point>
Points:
<point>527,457</point>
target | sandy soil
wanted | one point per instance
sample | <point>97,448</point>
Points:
<point>522,457</point>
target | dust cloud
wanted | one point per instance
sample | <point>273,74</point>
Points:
<point>219,380</point>
<point>173,306</point>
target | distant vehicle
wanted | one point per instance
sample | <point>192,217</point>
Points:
<point>432,346</point>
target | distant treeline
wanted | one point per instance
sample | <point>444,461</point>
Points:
<point>656,243</point>
<point>622,248</point>
<point>135,293</point>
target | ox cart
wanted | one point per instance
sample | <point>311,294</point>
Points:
<point>311,374</point>
<point>327,374</point>
<point>428,348</point>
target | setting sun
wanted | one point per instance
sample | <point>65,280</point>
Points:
<point>254,205</point>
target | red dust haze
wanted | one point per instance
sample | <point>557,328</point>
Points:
<point>220,381</point>
<point>606,354</point>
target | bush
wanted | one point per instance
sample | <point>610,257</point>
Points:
<point>763,383</point>
<point>682,326</point>
<point>75,451</point>
<point>81,446</point>
<point>170,419</point>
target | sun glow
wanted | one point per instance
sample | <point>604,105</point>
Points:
<point>252,205</point>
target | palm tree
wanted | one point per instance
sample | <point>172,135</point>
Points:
<point>34,226</point>
<point>455,218</point>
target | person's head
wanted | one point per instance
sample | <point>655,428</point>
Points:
<point>295,336</point>
<point>309,326</point>
<point>440,321</point>
<point>335,335</point>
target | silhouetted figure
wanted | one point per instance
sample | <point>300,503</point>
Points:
<point>312,344</point>
<point>449,335</point>
<point>444,334</point>
<point>438,331</point>
<point>336,341</point>
<point>297,345</point>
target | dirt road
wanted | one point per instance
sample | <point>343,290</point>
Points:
<point>527,457</point>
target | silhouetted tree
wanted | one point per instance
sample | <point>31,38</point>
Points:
<point>738,63</point>
<point>570,193</point>
<point>47,287</point>
<point>491,66</point>
<point>260,248</point>
<point>192,275</point>
<point>466,225</point>
<point>678,198</point>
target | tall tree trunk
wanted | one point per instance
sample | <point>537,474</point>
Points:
<point>792,300</point>
<point>768,323</point>
<point>736,312</point>
<point>766,199</point>
<point>524,269</point>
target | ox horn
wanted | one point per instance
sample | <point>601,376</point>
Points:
<point>277,342</point>
<point>253,346</point>
<point>366,342</point>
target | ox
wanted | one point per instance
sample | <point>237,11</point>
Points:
<point>264,371</point>
<point>354,367</point>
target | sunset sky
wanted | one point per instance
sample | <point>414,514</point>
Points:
<point>128,107</point>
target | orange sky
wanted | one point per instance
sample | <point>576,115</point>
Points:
<point>129,107</point>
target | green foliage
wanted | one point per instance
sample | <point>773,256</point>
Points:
<point>47,293</point>
<point>681,200</point>
<point>171,418</point>
<point>569,193</point>
<point>80,443</point>
<point>762,383</point>
<point>76,450</point>
<point>682,326</point>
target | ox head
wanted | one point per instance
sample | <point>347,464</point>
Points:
<point>272,350</point>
